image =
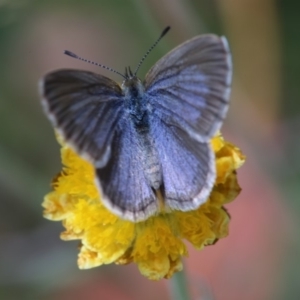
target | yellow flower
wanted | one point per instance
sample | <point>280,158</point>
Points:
<point>156,244</point>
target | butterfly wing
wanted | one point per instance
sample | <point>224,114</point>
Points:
<point>123,181</point>
<point>190,86</point>
<point>187,166</point>
<point>85,108</point>
<point>188,92</point>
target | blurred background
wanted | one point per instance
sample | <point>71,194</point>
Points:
<point>260,259</point>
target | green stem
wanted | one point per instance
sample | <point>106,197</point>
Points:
<point>179,287</point>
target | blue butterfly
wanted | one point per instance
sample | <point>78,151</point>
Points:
<point>148,141</point>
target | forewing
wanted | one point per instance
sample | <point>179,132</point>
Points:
<point>122,181</point>
<point>188,167</point>
<point>85,108</point>
<point>189,87</point>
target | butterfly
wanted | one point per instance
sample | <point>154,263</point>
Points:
<point>149,141</point>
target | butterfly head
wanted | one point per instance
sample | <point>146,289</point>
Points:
<point>132,85</point>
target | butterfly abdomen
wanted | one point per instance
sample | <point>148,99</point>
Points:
<point>149,160</point>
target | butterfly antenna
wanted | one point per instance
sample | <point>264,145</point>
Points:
<point>69,53</point>
<point>151,48</point>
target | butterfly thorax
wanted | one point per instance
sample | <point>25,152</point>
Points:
<point>135,105</point>
<point>138,113</point>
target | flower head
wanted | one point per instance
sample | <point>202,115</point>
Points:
<point>156,244</point>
